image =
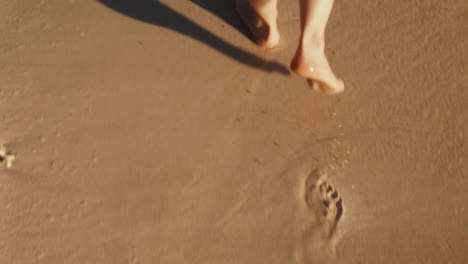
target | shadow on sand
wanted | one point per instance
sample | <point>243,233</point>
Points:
<point>157,13</point>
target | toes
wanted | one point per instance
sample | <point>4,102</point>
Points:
<point>315,85</point>
<point>319,86</point>
<point>332,202</point>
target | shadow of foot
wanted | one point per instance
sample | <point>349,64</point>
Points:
<point>157,13</point>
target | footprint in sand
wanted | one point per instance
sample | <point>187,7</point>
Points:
<point>6,157</point>
<point>324,201</point>
<point>323,211</point>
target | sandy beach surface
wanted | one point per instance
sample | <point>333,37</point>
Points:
<point>157,132</point>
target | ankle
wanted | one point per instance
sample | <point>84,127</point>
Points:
<point>265,9</point>
<point>314,41</point>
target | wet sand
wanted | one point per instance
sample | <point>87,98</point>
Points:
<point>158,133</point>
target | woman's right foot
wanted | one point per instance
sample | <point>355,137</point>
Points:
<point>312,64</point>
<point>261,23</point>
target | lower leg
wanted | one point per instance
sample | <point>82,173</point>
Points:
<point>314,18</point>
<point>310,61</point>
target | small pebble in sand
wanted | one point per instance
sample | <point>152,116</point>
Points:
<point>6,157</point>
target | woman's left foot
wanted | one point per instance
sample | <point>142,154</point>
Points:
<point>263,28</point>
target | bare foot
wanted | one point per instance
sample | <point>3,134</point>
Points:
<point>313,65</point>
<point>263,28</point>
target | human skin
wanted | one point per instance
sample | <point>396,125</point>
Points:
<point>309,60</point>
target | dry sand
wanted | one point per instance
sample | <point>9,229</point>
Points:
<point>158,133</point>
